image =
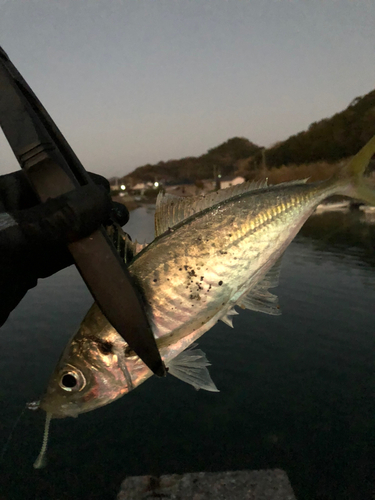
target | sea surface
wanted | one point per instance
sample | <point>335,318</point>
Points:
<point>297,391</point>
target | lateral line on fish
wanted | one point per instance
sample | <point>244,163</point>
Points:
<point>212,207</point>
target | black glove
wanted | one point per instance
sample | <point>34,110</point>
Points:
<point>33,235</point>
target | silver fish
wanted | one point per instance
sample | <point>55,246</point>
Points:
<point>211,253</point>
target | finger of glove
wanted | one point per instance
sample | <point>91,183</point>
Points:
<point>119,213</point>
<point>100,181</point>
<point>16,192</point>
<point>20,272</point>
<point>67,218</point>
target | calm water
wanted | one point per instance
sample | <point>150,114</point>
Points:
<point>297,391</point>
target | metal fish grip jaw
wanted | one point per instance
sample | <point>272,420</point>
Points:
<point>53,169</point>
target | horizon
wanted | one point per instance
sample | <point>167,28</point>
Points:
<point>136,83</point>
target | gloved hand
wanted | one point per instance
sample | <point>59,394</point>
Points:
<point>33,235</point>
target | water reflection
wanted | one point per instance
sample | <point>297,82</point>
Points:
<point>297,391</point>
<point>342,234</point>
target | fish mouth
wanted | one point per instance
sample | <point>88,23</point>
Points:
<point>60,410</point>
<point>41,405</point>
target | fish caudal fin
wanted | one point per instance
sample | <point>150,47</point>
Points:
<point>351,178</point>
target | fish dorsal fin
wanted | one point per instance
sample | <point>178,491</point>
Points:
<point>190,366</point>
<point>170,209</point>
<point>260,298</point>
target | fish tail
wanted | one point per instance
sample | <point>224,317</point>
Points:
<point>350,180</point>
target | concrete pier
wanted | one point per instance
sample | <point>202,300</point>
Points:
<point>272,484</point>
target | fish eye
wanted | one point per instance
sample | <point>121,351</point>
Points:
<point>72,381</point>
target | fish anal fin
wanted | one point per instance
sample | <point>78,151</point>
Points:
<point>226,318</point>
<point>259,298</point>
<point>190,366</point>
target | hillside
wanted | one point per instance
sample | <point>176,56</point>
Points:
<point>327,140</point>
<point>224,158</point>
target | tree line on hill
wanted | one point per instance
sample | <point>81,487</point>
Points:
<point>223,158</point>
<point>330,140</point>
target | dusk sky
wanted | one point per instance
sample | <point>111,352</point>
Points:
<point>131,82</point>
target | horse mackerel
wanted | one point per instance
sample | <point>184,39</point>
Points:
<point>210,254</point>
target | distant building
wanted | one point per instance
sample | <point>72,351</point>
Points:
<point>226,182</point>
<point>141,187</point>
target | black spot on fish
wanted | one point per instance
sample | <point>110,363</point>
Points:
<point>155,280</point>
<point>104,346</point>
<point>195,296</point>
<point>220,283</point>
<point>230,236</point>
<point>192,273</point>
<point>186,268</point>
<point>222,252</point>
<point>180,269</point>
<point>202,278</point>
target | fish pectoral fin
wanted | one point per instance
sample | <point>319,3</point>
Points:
<point>190,366</point>
<point>259,298</point>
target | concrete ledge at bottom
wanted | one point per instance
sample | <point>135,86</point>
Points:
<point>269,484</point>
